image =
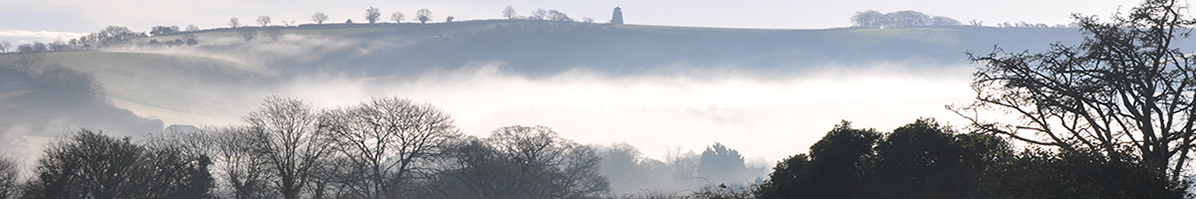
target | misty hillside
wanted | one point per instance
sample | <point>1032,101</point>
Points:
<point>223,75</point>
<point>547,47</point>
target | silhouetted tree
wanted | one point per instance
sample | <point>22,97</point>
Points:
<point>192,28</point>
<point>372,14</point>
<point>525,162</point>
<point>386,142</point>
<point>423,15</point>
<point>1126,91</point>
<point>244,174</point>
<point>1041,174</point>
<point>263,20</point>
<point>509,13</point>
<point>9,186</point>
<point>448,19</point>
<point>234,22</point>
<point>286,135</point>
<point>397,17</point>
<point>319,17</point>
<point>92,165</point>
<point>835,168</point>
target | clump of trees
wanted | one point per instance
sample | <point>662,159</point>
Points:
<point>538,14</point>
<point>92,165</point>
<point>927,160</point>
<point>899,19</point>
<point>385,148</point>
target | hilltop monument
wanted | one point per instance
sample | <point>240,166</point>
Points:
<point>618,16</point>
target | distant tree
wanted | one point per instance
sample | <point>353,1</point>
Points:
<point>509,13</point>
<point>247,35</point>
<point>274,34</point>
<point>976,23</point>
<point>263,20</point>
<point>92,165</point>
<point>349,21</point>
<point>287,135</point>
<point>944,21</point>
<point>192,42</point>
<point>906,19</point>
<point>1126,92</point>
<point>397,17</point>
<point>720,164</point>
<point>587,20</point>
<point>192,28</point>
<point>4,45</point>
<point>288,23</point>
<point>539,14</point>
<point>372,14</point>
<point>423,15</point>
<point>868,19</point>
<point>449,19</point>
<point>525,162</point>
<point>161,30</point>
<point>9,185</point>
<point>554,15</point>
<point>319,17</point>
<point>234,22</point>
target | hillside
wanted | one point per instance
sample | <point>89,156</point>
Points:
<point>223,77</point>
<point>545,47</point>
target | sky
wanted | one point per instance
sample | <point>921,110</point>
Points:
<point>47,20</point>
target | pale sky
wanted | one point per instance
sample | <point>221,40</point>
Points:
<point>39,18</point>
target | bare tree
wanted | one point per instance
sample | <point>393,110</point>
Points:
<point>372,14</point>
<point>234,22</point>
<point>527,162</point>
<point>1126,92</point>
<point>8,178</point>
<point>288,23</point>
<point>448,19</point>
<point>287,136</point>
<point>539,14</point>
<point>247,35</point>
<point>397,17</point>
<point>509,13</point>
<point>274,34</point>
<point>4,45</point>
<point>554,15</point>
<point>263,20</point>
<point>319,17</point>
<point>423,15</point>
<point>868,19</point>
<point>386,139</point>
<point>192,28</point>
<point>240,170</point>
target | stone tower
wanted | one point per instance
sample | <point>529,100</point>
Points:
<point>618,16</point>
